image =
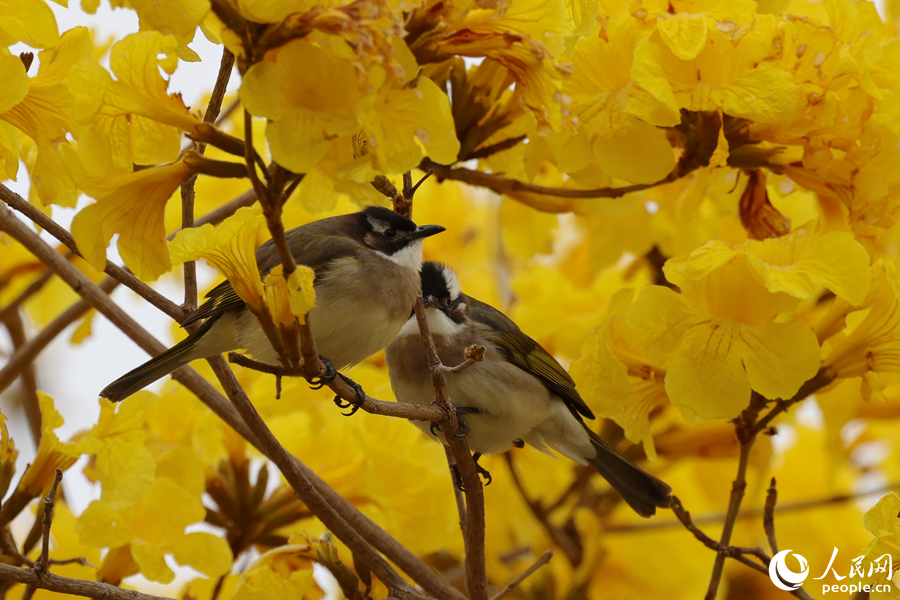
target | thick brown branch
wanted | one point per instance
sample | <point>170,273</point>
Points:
<point>476,574</point>
<point>67,585</point>
<point>503,185</point>
<point>305,490</point>
<point>125,277</point>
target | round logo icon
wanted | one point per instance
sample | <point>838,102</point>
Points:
<point>780,573</point>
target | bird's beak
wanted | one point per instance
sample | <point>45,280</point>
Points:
<point>429,301</point>
<point>426,231</point>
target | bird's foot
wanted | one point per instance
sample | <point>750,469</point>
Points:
<point>352,405</point>
<point>463,426</point>
<point>317,383</point>
<point>457,478</point>
<point>481,470</point>
<point>434,425</point>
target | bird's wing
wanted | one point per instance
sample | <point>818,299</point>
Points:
<point>317,254</point>
<point>525,353</point>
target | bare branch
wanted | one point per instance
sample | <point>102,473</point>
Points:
<point>503,185</point>
<point>31,403</point>
<point>47,522</point>
<point>33,288</point>
<point>68,585</point>
<point>542,560</point>
<point>473,355</point>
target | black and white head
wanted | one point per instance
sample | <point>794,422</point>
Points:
<point>445,304</point>
<point>394,236</point>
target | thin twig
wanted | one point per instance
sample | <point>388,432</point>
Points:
<point>753,513</point>
<point>187,188</point>
<point>503,185</point>
<point>747,419</point>
<point>47,522</point>
<point>542,560</point>
<point>820,380</point>
<point>769,516</point>
<point>735,552</point>
<point>31,403</point>
<point>473,355</point>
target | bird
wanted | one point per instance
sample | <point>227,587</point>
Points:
<point>366,268</point>
<point>518,394</point>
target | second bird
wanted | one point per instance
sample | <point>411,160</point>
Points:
<point>519,394</point>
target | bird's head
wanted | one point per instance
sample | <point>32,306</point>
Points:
<point>445,303</point>
<point>394,236</point>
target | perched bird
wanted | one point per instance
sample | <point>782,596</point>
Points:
<point>517,395</point>
<point>367,279</point>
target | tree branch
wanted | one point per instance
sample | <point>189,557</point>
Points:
<point>769,516</point>
<point>68,585</point>
<point>503,185</point>
<point>542,560</point>
<point>30,402</point>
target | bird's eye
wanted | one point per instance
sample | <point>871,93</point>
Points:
<point>390,233</point>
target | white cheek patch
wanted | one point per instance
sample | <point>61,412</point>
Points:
<point>438,323</point>
<point>452,282</point>
<point>409,257</point>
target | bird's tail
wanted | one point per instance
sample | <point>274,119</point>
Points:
<point>178,355</point>
<point>642,491</point>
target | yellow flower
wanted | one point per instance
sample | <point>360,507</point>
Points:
<point>284,572</point>
<point>52,454</point>
<point>230,247</point>
<point>29,21</point>
<point>617,116</point>
<point>153,528</point>
<point>873,341</point>
<point>721,335</point>
<point>8,455</point>
<point>523,36</point>
<point>309,95</point>
<point>44,115</point>
<point>802,263</point>
<point>176,17</point>
<point>292,297</point>
<point>123,464</point>
<point>881,521</point>
<point>131,119</point>
<point>407,124</point>
<point>733,71</point>
<point>132,205</point>
<point>618,378</point>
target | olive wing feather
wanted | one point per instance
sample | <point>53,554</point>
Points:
<point>525,353</point>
